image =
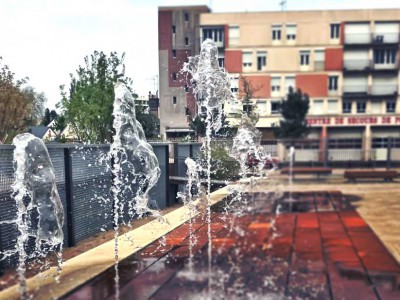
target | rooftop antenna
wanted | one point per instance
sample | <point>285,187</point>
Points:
<point>283,5</point>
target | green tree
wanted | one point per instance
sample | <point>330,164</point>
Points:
<point>198,124</point>
<point>88,105</point>
<point>37,102</point>
<point>19,106</point>
<point>49,115</point>
<point>294,110</point>
<point>60,123</point>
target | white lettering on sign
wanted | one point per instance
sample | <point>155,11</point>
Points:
<point>354,120</point>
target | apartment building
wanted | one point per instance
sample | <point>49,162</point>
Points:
<point>347,61</point>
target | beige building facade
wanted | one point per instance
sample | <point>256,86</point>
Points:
<point>347,61</point>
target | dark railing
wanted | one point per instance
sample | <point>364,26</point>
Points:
<point>84,182</point>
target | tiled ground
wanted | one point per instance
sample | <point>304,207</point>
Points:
<point>319,247</point>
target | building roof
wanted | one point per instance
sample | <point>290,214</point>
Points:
<point>38,131</point>
<point>188,7</point>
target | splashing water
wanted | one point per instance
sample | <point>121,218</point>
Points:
<point>247,146</point>
<point>135,166</point>
<point>192,189</point>
<point>40,213</point>
<point>211,88</point>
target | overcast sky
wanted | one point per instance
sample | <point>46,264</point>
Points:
<point>46,40</point>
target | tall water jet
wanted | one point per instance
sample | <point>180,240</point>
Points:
<point>135,166</point>
<point>40,214</point>
<point>188,195</point>
<point>211,88</point>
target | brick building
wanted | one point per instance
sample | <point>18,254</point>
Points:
<point>347,61</point>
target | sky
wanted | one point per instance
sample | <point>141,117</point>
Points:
<point>46,40</point>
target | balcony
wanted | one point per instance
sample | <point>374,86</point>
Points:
<point>383,90</point>
<point>372,91</point>
<point>377,39</point>
<point>355,90</point>
<point>357,64</point>
<point>367,65</point>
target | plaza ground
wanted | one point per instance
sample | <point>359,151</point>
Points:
<point>369,229</point>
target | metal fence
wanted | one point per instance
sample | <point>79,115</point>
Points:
<point>84,181</point>
<point>342,153</point>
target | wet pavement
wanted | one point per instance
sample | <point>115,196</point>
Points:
<point>317,247</point>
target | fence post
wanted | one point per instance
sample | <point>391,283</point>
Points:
<point>389,154</point>
<point>69,193</point>
<point>176,162</point>
<point>167,189</point>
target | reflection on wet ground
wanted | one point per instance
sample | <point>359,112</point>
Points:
<point>318,247</point>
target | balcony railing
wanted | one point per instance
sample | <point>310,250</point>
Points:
<point>371,38</point>
<point>355,89</point>
<point>385,38</point>
<point>367,64</point>
<point>357,64</point>
<point>373,90</point>
<point>387,89</point>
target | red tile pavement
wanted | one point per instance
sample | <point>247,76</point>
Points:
<point>325,250</point>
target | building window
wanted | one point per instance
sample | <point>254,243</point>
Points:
<point>233,35</point>
<point>345,144</point>
<point>333,83</point>
<point>391,106</point>
<point>361,106</point>
<point>173,53</point>
<point>186,16</point>
<point>173,29</point>
<point>304,58</point>
<point>290,82</point>
<point>247,58</point>
<point>276,32</point>
<point>332,106</point>
<point>319,60</point>
<point>186,88</point>
<point>275,107</point>
<point>346,107</point>
<point>385,56</point>
<point>174,76</point>
<point>261,60</point>
<point>318,107</point>
<point>291,31</point>
<point>186,41</point>
<point>275,84</point>
<point>174,100</point>
<point>217,35</point>
<point>221,62</point>
<point>235,90</point>
<point>335,31</point>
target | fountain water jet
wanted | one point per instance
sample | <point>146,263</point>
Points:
<point>211,87</point>
<point>135,166</point>
<point>192,189</point>
<point>40,213</point>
